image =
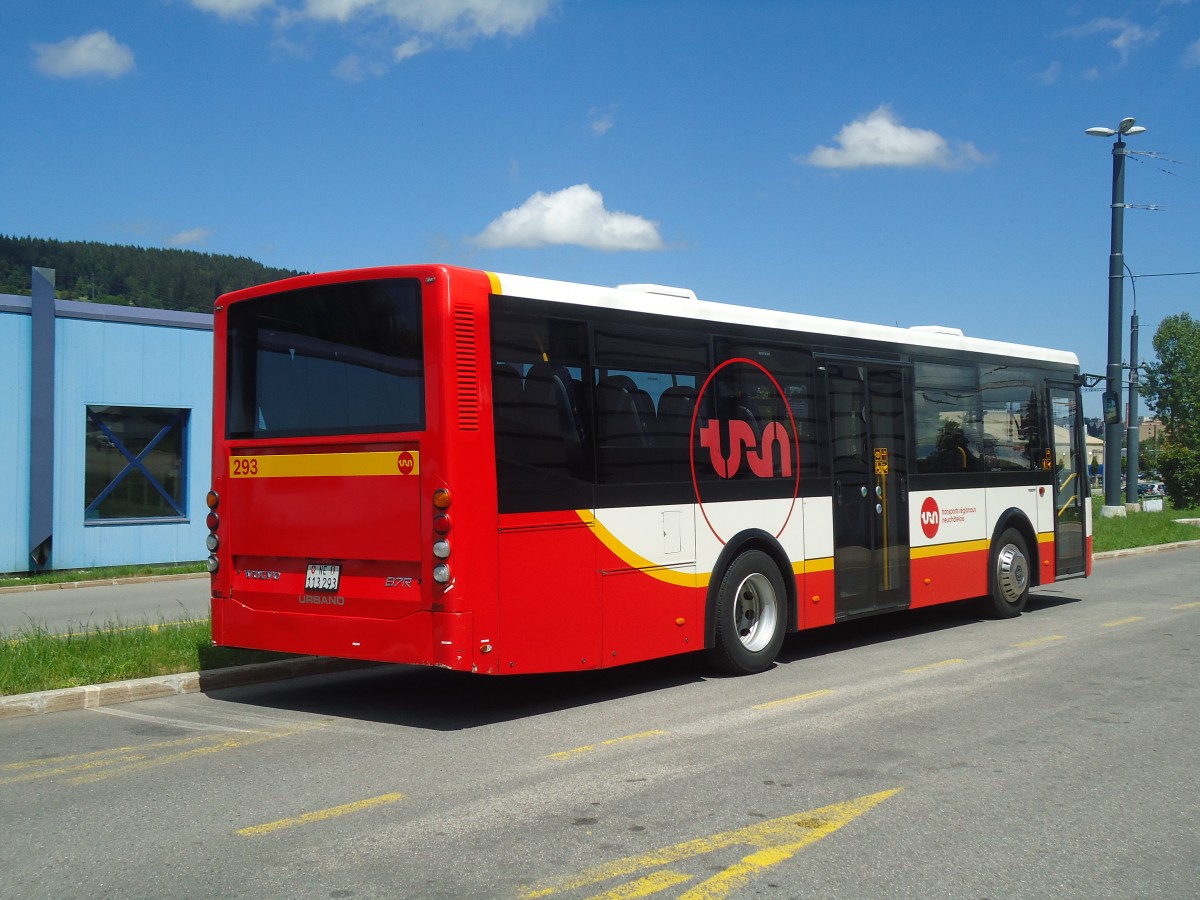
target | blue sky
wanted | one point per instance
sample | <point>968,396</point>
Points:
<point>903,163</point>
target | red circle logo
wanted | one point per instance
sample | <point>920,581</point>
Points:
<point>756,451</point>
<point>931,517</point>
<point>405,463</point>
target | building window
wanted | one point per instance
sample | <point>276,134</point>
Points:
<point>135,464</point>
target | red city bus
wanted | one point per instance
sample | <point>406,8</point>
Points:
<point>502,474</point>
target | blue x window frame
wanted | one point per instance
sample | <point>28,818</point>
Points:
<point>135,463</point>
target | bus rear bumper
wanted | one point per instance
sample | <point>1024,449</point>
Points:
<point>422,638</point>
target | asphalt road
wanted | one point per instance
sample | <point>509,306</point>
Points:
<point>928,754</point>
<point>75,608</point>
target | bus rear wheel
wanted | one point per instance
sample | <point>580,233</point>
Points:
<point>750,615</point>
<point>1008,576</point>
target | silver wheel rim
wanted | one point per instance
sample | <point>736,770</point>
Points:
<point>755,612</point>
<point>1012,573</point>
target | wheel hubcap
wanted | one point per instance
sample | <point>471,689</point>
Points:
<point>1012,573</point>
<point>756,611</point>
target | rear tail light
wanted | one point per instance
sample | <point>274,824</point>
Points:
<point>441,526</point>
<point>212,500</point>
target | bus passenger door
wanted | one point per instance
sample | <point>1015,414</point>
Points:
<point>869,455</point>
<point>1070,481</point>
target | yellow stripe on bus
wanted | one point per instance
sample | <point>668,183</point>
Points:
<point>311,465</point>
<point>950,549</point>
<point>664,571</point>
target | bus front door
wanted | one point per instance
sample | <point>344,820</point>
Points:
<point>868,450</point>
<point>1070,482</point>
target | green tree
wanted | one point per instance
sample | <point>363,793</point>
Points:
<point>1172,384</point>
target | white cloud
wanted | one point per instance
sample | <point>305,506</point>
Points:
<point>231,9</point>
<point>1129,36</point>
<point>189,237</point>
<point>410,48</point>
<point>602,118</point>
<point>354,69</point>
<point>574,215</point>
<point>97,53</point>
<point>1191,56</point>
<point>879,140</point>
<point>1050,74</point>
<point>457,19</point>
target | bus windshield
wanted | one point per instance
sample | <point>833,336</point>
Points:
<point>332,359</point>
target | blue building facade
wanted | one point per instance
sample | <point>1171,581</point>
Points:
<point>109,423</point>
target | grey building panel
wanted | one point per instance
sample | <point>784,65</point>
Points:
<point>15,303</point>
<point>41,412</point>
<point>133,315</point>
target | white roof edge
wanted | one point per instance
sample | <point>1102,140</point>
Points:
<point>662,289</point>
<point>938,329</point>
<point>673,305</point>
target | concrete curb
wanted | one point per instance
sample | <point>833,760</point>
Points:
<point>111,582</point>
<point>113,693</point>
<point>1152,548</point>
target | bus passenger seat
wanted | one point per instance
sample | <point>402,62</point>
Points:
<point>618,419</point>
<point>506,391</point>
<point>550,402</point>
<point>674,421</point>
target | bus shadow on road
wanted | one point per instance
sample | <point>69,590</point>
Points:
<point>439,700</point>
<point>880,629</point>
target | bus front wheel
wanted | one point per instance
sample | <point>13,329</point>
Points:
<point>1008,576</point>
<point>750,615</point>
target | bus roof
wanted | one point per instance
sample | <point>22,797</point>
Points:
<point>684,304</point>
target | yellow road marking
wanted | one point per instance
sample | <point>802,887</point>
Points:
<point>1186,606</point>
<point>320,815</point>
<point>644,887</point>
<point>933,665</point>
<point>98,765</point>
<point>1037,642</point>
<point>799,698</point>
<point>1126,621</point>
<point>774,841</point>
<point>588,748</point>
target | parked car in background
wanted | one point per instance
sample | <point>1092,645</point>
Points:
<point>1151,489</point>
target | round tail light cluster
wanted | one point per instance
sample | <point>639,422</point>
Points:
<point>441,530</point>
<point>213,521</point>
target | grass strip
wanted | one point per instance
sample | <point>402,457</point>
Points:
<point>34,659</point>
<point>1141,529</point>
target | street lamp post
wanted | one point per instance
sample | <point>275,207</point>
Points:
<point>1116,278</point>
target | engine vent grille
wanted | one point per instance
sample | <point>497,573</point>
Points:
<point>465,373</point>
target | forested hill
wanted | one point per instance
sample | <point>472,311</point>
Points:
<point>129,276</point>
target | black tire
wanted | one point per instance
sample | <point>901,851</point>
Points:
<point>751,615</point>
<point>1008,576</point>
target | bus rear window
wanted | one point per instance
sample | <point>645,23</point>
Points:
<point>335,359</point>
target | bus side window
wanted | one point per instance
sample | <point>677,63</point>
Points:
<point>645,388</point>
<point>543,447</point>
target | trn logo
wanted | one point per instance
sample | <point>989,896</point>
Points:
<point>931,517</point>
<point>775,444</point>
<point>771,454</point>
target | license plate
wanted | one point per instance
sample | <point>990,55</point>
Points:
<point>322,578</point>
